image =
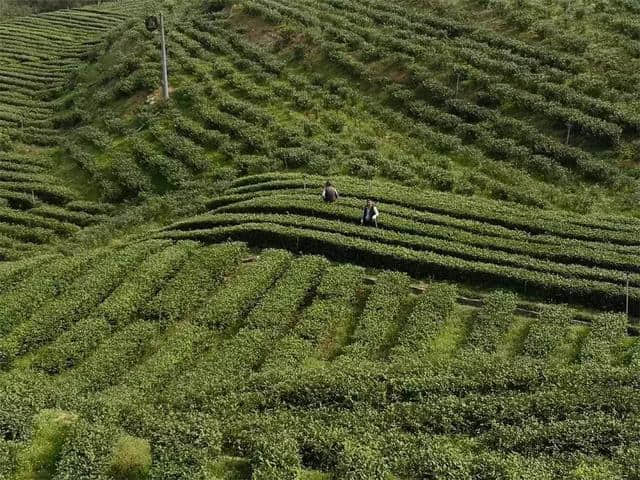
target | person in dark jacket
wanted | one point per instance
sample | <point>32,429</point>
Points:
<point>370,215</point>
<point>329,193</point>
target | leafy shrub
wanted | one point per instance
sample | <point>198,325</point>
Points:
<point>294,157</point>
<point>235,298</point>
<point>360,168</point>
<point>430,312</point>
<point>359,462</point>
<point>377,319</point>
<point>131,458</point>
<point>51,429</point>
<point>492,321</point>
<point>334,123</point>
<point>606,330</point>
<point>274,457</point>
<point>547,332</point>
<point>254,164</point>
<point>5,142</point>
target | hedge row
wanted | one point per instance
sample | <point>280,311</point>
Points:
<point>55,324</point>
<point>181,344</point>
<point>431,311</point>
<point>123,300</point>
<point>324,324</point>
<point>39,288</point>
<point>419,263</point>
<point>113,358</point>
<point>492,321</point>
<point>378,319</point>
<point>234,299</point>
<point>22,233</point>
<point>534,221</point>
<point>180,148</point>
<point>169,169</point>
<point>276,310</point>
<point>194,283</point>
<point>444,240</point>
<point>548,332</point>
<point>540,143</point>
<point>81,219</point>
<point>606,331</point>
<point>403,239</point>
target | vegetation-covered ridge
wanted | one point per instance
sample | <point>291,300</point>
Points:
<point>213,362</point>
<point>429,98</point>
<point>40,56</point>
<point>16,8</point>
<point>572,258</point>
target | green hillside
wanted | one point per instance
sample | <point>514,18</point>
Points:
<point>428,99</point>
<point>224,362</point>
<point>177,301</point>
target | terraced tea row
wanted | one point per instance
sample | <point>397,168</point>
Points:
<point>35,208</point>
<point>38,54</point>
<point>479,87</point>
<point>244,105</point>
<point>571,258</point>
<point>38,57</point>
<point>298,355</point>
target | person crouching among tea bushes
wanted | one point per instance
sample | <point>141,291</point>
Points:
<point>370,215</point>
<point>329,193</point>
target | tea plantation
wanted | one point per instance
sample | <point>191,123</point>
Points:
<point>219,362</point>
<point>177,301</point>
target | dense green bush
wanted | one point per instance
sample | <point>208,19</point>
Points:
<point>548,332</point>
<point>492,321</point>
<point>50,430</point>
<point>131,458</point>
<point>235,298</point>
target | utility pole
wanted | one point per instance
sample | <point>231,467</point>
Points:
<point>152,25</point>
<point>165,75</point>
<point>569,125</point>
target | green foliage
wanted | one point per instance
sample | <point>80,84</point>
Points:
<point>5,142</point>
<point>131,458</point>
<point>64,318</point>
<point>194,282</point>
<point>50,430</point>
<point>430,312</point>
<point>281,303</point>
<point>377,320</point>
<point>282,360</point>
<point>492,321</point>
<point>237,297</point>
<point>607,329</point>
<point>547,332</point>
<point>358,462</point>
<point>273,457</point>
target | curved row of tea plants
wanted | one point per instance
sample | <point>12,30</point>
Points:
<point>215,360</point>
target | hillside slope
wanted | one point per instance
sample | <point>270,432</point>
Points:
<point>427,98</point>
<point>568,258</point>
<point>232,365</point>
<point>177,302</point>
<point>39,59</point>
